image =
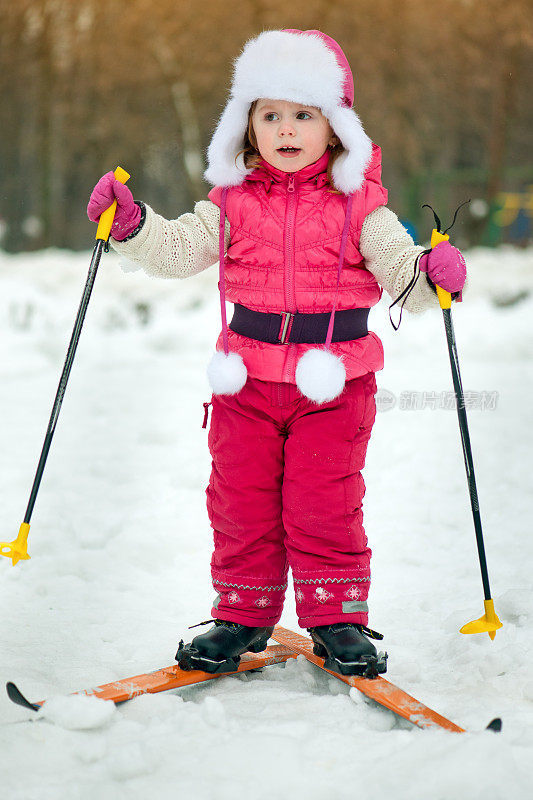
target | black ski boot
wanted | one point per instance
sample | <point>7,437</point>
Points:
<point>220,649</point>
<point>346,649</point>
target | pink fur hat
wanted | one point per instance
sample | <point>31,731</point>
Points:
<point>298,66</point>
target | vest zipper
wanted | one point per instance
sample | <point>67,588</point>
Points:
<point>290,300</point>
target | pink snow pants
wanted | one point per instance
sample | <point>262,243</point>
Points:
<point>286,490</point>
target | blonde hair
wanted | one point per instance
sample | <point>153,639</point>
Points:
<point>252,157</point>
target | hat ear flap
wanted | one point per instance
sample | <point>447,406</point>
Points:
<point>348,171</point>
<point>227,140</point>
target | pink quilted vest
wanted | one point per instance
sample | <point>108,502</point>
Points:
<point>285,233</point>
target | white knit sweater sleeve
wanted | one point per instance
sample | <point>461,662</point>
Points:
<point>179,247</point>
<point>390,255</point>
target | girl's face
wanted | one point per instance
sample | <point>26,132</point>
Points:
<point>289,135</point>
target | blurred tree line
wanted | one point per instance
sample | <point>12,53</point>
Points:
<point>444,87</point>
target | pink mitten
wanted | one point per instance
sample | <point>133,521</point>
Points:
<point>128,213</point>
<point>445,266</point>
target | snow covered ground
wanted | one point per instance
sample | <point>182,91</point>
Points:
<point>120,546</point>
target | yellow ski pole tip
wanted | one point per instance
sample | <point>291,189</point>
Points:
<point>17,549</point>
<point>488,623</point>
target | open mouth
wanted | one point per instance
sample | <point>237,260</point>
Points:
<point>288,152</point>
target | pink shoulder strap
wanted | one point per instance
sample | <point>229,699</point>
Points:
<point>342,251</point>
<point>221,268</point>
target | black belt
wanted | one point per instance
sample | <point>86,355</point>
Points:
<point>299,328</point>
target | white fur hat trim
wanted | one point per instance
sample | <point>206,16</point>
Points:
<point>320,375</point>
<point>226,373</point>
<point>301,69</point>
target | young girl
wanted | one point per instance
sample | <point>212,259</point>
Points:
<point>299,223</point>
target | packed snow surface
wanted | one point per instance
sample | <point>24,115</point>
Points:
<point>77,712</point>
<point>120,546</point>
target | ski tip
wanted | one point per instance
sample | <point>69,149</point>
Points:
<point>16,696</point>
<point>495,725</point>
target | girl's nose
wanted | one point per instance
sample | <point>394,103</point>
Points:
<point>286,128</point>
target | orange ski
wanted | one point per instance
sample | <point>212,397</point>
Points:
<point>378,689</point>
<point>163,679</point>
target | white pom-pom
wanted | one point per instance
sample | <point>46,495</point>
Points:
<point>320,375</point>
<point>226,373</point>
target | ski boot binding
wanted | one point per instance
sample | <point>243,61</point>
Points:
<point>220,649</point>
<point>347,651</point>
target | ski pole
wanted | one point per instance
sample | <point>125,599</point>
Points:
<point>18,549</point>
<point>489,622</point>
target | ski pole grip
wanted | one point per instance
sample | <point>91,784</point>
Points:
<point>445,298</point>
<point>106,218</point>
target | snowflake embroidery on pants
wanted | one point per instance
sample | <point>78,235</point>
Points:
<point>321,594</point>
<point>300,595</point>
<point>233,597</point>
<point>263,602</point>
<point>353,593</point>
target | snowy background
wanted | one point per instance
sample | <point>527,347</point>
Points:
<point>120,546</point>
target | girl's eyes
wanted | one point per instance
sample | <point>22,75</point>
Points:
<point>269,117</point>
